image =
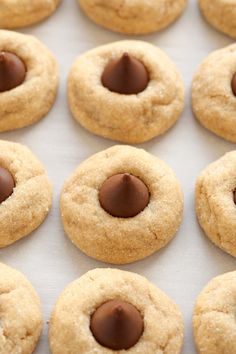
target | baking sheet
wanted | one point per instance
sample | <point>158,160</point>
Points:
<point>47,257</point>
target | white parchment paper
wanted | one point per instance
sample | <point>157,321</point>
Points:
<point>47,257</point>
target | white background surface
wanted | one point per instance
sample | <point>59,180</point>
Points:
<point>47,257</point>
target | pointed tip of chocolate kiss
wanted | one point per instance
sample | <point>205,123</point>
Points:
<point>117,325</point>
<point>127,177</point>
<point>119,310</point>
<point>125,58</point>
<point>12,71</point>
<point>124,195</point>
<point>126,75</point>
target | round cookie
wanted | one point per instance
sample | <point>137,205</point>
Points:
<point>121,238</point>
<point>20,312</point>
<point>21,13</point>
<point>214,93</point>
<point>133,17</point>
<point>71,325</point>
<point>215,202</point>
<point>30,98</point>
<point>214,316</point>
<point>28,199</point>
<point>221,14</point>
<point>149,97</point>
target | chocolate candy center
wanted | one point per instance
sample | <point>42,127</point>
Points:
<point>233,84</point>
<point>124,195</point>
<point>7,184</point>
<point>12,71</point>
<point>117,325</point>
<point>234,196</point>
<point>125,75</point>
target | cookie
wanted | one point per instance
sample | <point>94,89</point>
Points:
<point>121,205</point>
<point>25,192</point>
<point>28,80</point>
<point>221,14</point>
<point>20,312</point>
<point>133,17</point>
<point>21,13</point>
<point>215,202</point>
<point>214,316</point>
<point>111,311</point>
<point>214,93</point>
<point>128,91</point>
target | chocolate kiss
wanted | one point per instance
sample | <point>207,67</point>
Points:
<point>126,75</point>
<point>124,195</point>
<point>12,71</point>
<point>7,184</point>
<point>117,325</point>
<point>233,84</point>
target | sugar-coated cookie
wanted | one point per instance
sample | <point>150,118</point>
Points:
<point>25,192</point>
<point>133,17</point>
<point>121,205</point>
<point>20,312</point>
<point>216,202</point>
<point>128,91</point>
<point>214,316</point>
<point>214,93</point>
<point>21,13</point>
<point>111,311</point>
<point>221,14</point>
<point>28,80</point>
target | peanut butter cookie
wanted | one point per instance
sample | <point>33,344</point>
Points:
<point>28,80</point>
<point>111,311</point>
<point>214,316</point>
<point>20,312</point>
<point>121,205</point>
<point>21,13</point>
<point>214,93</point>
<point>215,202</point>
<point>128,91</point>
<point>133,17</point>
<point>221,14</point>
<point>25,192</point>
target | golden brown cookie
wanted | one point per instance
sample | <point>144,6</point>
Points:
<point>28,80</point>
<point>133,17</point>
<point>221,14</point>
<point>21,13</point>
<point>214,93</point>
<point>105,209</point>
<point>20,312</point>
<point>75,322</point>
<point>214,316</point>
<point>128,91</point>
<point>25,192</point>
<point>215,202</point>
